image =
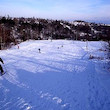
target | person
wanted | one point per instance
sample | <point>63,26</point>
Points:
<point>1,60</point>
<point>39,50</point>
<point>1,68</point>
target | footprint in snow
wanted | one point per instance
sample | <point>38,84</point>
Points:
<point>57,100</point>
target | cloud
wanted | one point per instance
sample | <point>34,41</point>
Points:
<point>17,10</point>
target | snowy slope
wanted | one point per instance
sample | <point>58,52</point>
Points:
<point>61,77</point>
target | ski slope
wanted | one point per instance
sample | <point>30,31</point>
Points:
<point>61,77</point>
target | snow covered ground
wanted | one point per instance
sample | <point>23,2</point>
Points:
<point>61,77</point>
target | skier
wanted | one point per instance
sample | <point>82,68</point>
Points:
<point>1,60</point>
<point>18,46</point>
<point>1,69</point>
<point>39,50</point>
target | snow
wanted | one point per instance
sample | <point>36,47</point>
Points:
<point>58,78</point>
<point>76,23</point>
<point>65,26</point>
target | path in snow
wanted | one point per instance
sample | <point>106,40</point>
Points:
<point>58,78</point>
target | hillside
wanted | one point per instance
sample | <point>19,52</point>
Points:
<point>15,30</point>
<point>63,76</point>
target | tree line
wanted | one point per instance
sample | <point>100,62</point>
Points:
<point>15,30</point>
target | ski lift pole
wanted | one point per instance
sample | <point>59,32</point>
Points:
<point>87,45</point>
<point>87,41</point>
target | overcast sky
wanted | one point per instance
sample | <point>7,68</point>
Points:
<point>92,10</point>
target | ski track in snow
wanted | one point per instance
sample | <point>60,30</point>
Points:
<point>98,98</point>
<point>58,78</point>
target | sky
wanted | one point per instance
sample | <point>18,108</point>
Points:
<point>88,10</point>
